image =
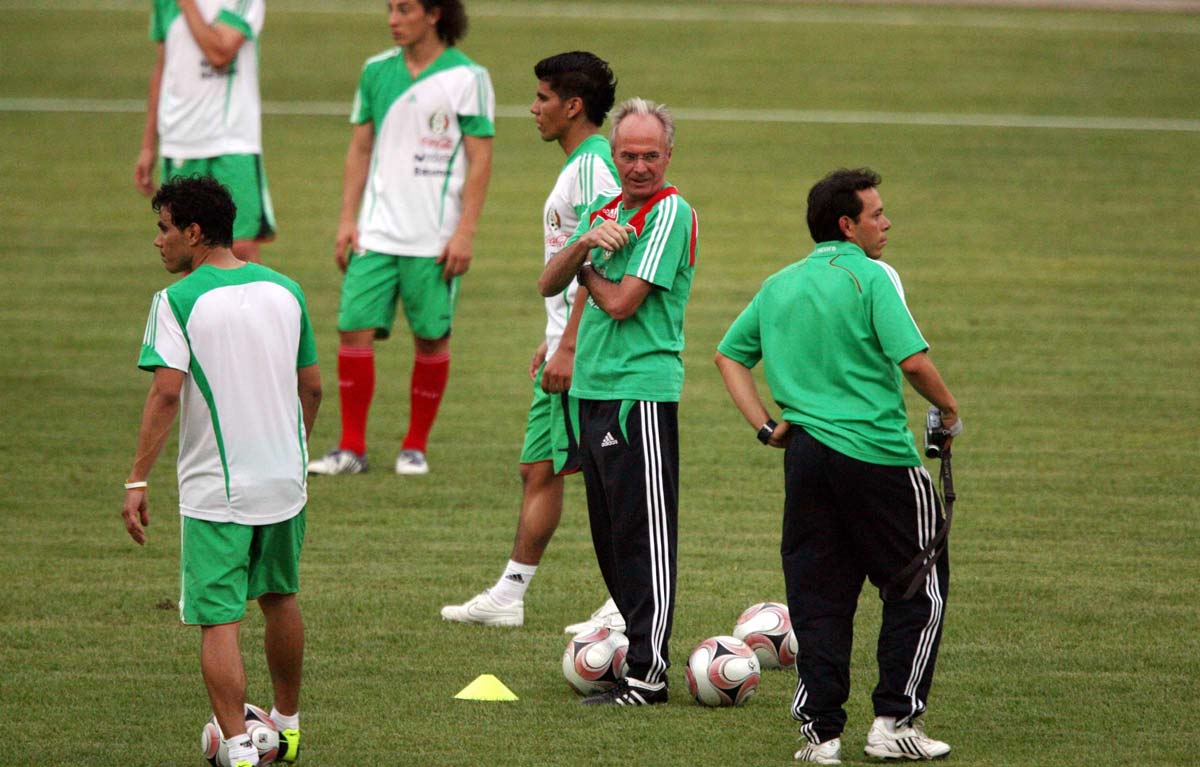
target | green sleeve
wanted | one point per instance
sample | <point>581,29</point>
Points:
<point>230,18</point>
<point>664,245</point>
<point>743,342</point>
<point>159,19</point>
<point>898,334</point>
<point>306,353</point>
<point>360,113</point>
<point>476,125</point>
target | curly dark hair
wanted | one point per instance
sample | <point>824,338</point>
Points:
<point>452,26</point>
<point>584,75</point>
<point>199,200</point>
<point>835,196</point>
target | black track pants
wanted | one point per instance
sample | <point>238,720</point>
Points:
<point>630,458</point>
<point>846,520</point>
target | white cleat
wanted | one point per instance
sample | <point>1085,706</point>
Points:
<point>411,462</point>
<point>887,741</point>
<point>485,611</point>
<point>607,617</point>
<point>829,752</point>
<point>338,461</point>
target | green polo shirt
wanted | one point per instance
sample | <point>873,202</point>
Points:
<point>831,331</point>
<point>638,358</point>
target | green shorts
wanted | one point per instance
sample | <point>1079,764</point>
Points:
<point>246,180</point>
<point>552,430</point>
<point>373,283</point>
<point>222,564</point>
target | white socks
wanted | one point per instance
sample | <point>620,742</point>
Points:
<point>285,722</point>
<point>241,750</point>
<point>510,589</point>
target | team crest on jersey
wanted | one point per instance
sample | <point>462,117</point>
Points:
<point>553,220</point>
<point>439,122</point>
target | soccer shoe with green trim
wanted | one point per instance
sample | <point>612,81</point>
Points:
<point>886,740</point>
<point>244,763</point>
<point>411,462</point>
<point>829,752</point>
<point>486,611</point>
<point>289,746</point>
<point>338,461</point>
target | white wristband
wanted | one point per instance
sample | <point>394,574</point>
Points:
<point>136,485</point>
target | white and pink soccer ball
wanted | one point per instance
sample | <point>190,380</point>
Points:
<point>262,731</point>
<point>594,661</point>
<point>767,629</point>
<point>722,671</point>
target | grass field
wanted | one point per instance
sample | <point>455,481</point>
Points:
<point>1053,269</point>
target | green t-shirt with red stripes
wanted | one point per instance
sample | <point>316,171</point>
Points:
<point>640,357</point>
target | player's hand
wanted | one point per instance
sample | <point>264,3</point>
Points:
<point>143,172</point>
<point>345,244</point>
<point>609,236</point>
<point>557,375</point>
<point>136,513</point>
<point>779,437</point>
<point>539,356</point>
<point>456,256</point>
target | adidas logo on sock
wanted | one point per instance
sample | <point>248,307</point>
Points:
<point>515,577</point>
<point>608,440</point>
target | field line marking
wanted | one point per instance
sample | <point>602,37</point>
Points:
<point>700,114</point>
<point>1028,15</point>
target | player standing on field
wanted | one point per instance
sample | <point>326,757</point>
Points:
<point>635,253</point>
<point>231,349</point>
<point>203,113</point>
<point>416,175</point>
<point>574,93</point>
<point>835,334</point>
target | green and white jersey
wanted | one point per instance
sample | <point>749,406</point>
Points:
<point>239,335</point>
<point>202,111</point>
<point>588,172</point>
<point>413,196</point>
<point>640,357</point>
<point>831,331</point>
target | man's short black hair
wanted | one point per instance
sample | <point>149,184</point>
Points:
<point>452,26</point>
<point>835,196</point>
<point>199,200</point>
<point>581,74</point>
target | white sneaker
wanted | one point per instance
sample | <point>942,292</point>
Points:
<point>608,616</point>
<point>338,461</point>
<point>829,752</point>
<point>411,462</point>
<point>484,610</point>
<point>887,741</point>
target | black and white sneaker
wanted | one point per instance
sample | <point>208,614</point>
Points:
<point>626,694</point>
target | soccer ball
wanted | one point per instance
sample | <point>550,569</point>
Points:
<point>722,671</point>
<point>594,661</point>
<point>262,731</point>
<point>767,629</point>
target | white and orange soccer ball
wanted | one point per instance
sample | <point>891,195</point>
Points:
<point>262,731</point>
<point>594,661</point>
<point>767,629</point>
<point>722,671</point>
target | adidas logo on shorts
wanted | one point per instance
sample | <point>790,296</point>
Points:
<point>608,440</point>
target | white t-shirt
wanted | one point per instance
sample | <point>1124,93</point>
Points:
<point>240,335</point>
<point>202,111</point>
<point>587,172</point>
<point>413,197</point>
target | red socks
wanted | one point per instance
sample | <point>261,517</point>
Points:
<point>356,386</point>
<point>429,375</point>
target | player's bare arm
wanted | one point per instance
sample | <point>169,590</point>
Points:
<point>456,256</point>
<point>158,414</point>
<point>354,181</point>
<point>564,265</point>
<point>143,170</point>
<point>535,362</point>
<point>619,300</point>
<point>218,41</point>
<point>308,386</point>
<point>923,375</point>
<point>559,368</point>
<point>739,382</point>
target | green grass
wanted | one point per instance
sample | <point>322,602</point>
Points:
<point>1054,271</point>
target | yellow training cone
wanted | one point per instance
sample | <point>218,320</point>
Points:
<point>486,687</point>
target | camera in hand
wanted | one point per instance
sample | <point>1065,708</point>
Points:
<point>935,434</point>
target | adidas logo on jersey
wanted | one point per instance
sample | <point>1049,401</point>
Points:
<point>608,440</point>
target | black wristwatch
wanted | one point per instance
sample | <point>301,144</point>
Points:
<point>766,430</point>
